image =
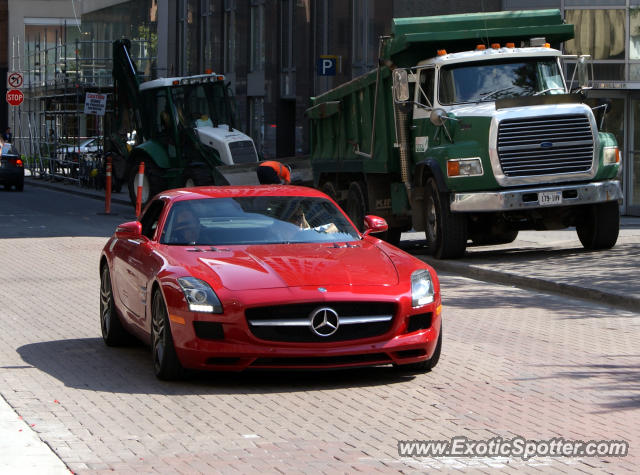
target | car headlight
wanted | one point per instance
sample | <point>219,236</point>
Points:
<point>200,296</point>
<point>421,288</point>
<point>611,155</point>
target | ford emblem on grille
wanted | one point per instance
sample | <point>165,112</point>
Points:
<point>324,321</point>
<point>546,145</point>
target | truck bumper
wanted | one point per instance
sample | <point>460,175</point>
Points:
<point>529,198</point>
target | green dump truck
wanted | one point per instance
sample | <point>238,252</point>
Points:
<point>469,131</point>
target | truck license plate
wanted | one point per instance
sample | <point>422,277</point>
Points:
<point>547,198</point>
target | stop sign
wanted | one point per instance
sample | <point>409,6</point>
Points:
<point>15,97</point>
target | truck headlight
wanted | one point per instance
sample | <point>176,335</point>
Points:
<point>464,167</point>
<point>200,296</point>
<point>611,155</point>
<point>421,288</point>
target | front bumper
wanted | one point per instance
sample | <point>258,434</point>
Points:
<point>236,348</point>
<point>527,198</point>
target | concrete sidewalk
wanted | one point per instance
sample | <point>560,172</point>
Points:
<point>553,261</point>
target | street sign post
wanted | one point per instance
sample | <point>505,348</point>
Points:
<point>15,97</point>
<point>14,80</point>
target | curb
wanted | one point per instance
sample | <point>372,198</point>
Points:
<point>74,191</point>
<point>534,283</point>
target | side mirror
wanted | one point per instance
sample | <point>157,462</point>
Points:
<point>438,116</point>
<point>583,72</point>
<point>374,225</point>
<point>129,229</point>
<point>400,85</point>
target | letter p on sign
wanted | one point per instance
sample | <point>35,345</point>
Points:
<point>327,65</point>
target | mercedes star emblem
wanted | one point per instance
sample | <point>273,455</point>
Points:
<point>324,321</point>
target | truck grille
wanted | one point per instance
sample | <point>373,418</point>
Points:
<point>545,145</point>
<point>291,323</point>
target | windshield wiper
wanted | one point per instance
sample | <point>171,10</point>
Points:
<point>550,89</point>
<point>487,95</point>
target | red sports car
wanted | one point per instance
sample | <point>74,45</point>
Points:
<point>230,278</point>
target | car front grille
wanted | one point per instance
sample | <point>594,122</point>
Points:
<point>291,323</point>
<point>546,145</point>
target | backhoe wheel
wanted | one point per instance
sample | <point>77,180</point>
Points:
<point>166,364</point>
<point>113,332</point>
<point>357,204</point>
<point>446,232</point>
<point>197,176</point>
<point>600,226</point>
<point>152,182</point>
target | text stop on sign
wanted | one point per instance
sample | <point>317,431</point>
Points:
<point>14,97</point>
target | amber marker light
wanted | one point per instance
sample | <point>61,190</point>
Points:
<point>495,45</point>
<point>510,45</point>
<point>481,47</point>
<point>453,168</point>
<point>547,45</point>
<point>442,52</point>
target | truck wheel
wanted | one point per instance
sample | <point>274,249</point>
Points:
<point>446,232</point>
<point>600,226</point>
<point>197,176</point>
<point>328,189</point>
<point>152,182</point>
<point>356,204</point>
<point>392,236</point>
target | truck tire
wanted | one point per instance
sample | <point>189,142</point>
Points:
<point>446,232</point>
<point>328,189</point>
<point>356,204</point>
<point>152,184</point>
<point>600,226</point>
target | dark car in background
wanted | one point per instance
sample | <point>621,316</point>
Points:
<point>11,168</point>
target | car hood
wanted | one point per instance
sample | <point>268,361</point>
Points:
<point>290,265</point>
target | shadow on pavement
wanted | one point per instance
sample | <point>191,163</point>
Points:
<point>87,363</point>
<point>621,382</point>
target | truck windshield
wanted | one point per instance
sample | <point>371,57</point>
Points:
<point>485,81</point>
<point>201,104</point>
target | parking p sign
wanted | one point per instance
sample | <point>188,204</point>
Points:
<point>327,65</point>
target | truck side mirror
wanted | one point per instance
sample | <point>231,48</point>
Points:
<point>583,72</point>
<point>438,116</point>
<point>400,85</point>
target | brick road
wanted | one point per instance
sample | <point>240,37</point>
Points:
<point>514,362</point>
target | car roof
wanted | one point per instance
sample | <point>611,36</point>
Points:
<point>203,192</point>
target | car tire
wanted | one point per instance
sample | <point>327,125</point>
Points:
<point>166,364</point>
<point>446,232</point>
<point>356,204</point>
<point>153,183</point>
<point>600,226</point>
<point>113,332</point>
<point>427,365</point>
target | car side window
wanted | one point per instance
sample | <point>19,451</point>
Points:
<point>150,219</point>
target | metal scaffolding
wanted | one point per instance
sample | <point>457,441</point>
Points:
<point>50,126</point>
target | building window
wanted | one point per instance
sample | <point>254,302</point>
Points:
<point>229,36</point>
<point>257,59</point>
<point>362,14</point>
<point>600,33</point>
<point>288,70</point>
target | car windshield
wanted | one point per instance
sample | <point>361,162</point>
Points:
<point>499,79</point>
<point>256,220</point>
